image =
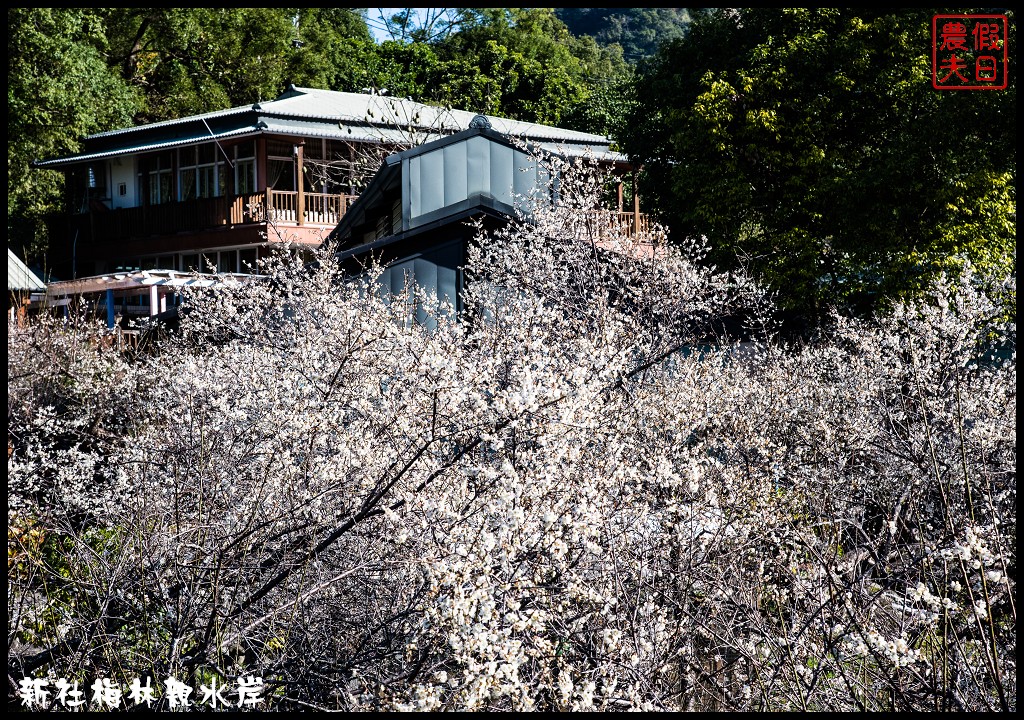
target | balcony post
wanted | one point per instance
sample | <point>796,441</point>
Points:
<point>110,308</point>
<point>300,210</point>
<point>636,206</point>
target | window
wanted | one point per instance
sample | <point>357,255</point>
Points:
<point>201,172</point>
<point>280,165</point>
<point>245,177</point>
<point>157,169</point>
<point>247,261</point>
<point>97,180</point>
<point>245,167</point>
<point>228,261</point>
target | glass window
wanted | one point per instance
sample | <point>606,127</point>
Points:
<point>314,149</point>
<point>245,150</point>
<point>247,260</point>
<point>206,153</point>
<point>157,169</point>
<point>159,187</point>
<point>187,183</point>
<point>280,148</point>
<point>207,181</point>
<point>245,176</point>
<point>97,178</point>
<point>228,261</point>
<point>245,167</point>
<point>202,173</point>
<point>280,175</point>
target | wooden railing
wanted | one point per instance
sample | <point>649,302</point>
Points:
<point>209,213</point>
<point>626,223</point>
<point>252,208</point>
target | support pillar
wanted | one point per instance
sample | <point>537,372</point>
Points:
<point>110,309</point>
<point>300,210</point>
<point>636,206</point>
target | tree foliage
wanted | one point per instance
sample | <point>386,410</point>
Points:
<point>514,62</point>
<point>60,88</point>
<point>637,31</point>
<point>193,60</point>
<point>809,145</point>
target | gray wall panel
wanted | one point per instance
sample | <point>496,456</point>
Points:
<point>455,173</point>
<point>446,287</point>
<point>426,278</point>
<point>501,172</point>
<point>431,181</point>
<point>398,276</point>
<point>524,180</point>
<point>478,164</point>
<point>411,181</point>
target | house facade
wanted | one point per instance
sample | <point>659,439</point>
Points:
<point>211,192</point>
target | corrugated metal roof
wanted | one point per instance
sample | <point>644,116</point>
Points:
<point>169,123</point>
<point>147,147</point>
<point>19,277</point>
<point>382,134</point>
<point>310,102</point>
<point>327,113</point>
<point>129,280</point>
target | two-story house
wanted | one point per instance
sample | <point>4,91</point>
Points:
<point>214,190</point>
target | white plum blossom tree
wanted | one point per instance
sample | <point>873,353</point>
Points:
<point>580,494</point>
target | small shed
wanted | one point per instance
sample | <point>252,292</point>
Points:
<point>23,286</point>
<point>140,294</point>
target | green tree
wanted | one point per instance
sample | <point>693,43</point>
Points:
<point>59,89</point>
<point>192,60</point>
<point>521,63</point>
<point>332,49</point>
<point>403,69</point>
<point>527,65</point>
<point>637,31</point>
<point>810,145</point>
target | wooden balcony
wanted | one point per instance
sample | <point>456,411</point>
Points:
<point>602,223</point>
<point>194,216</point>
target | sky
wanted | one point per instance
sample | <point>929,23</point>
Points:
<point>375,22</point>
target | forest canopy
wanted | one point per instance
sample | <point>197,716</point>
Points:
<point>810,146</point>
